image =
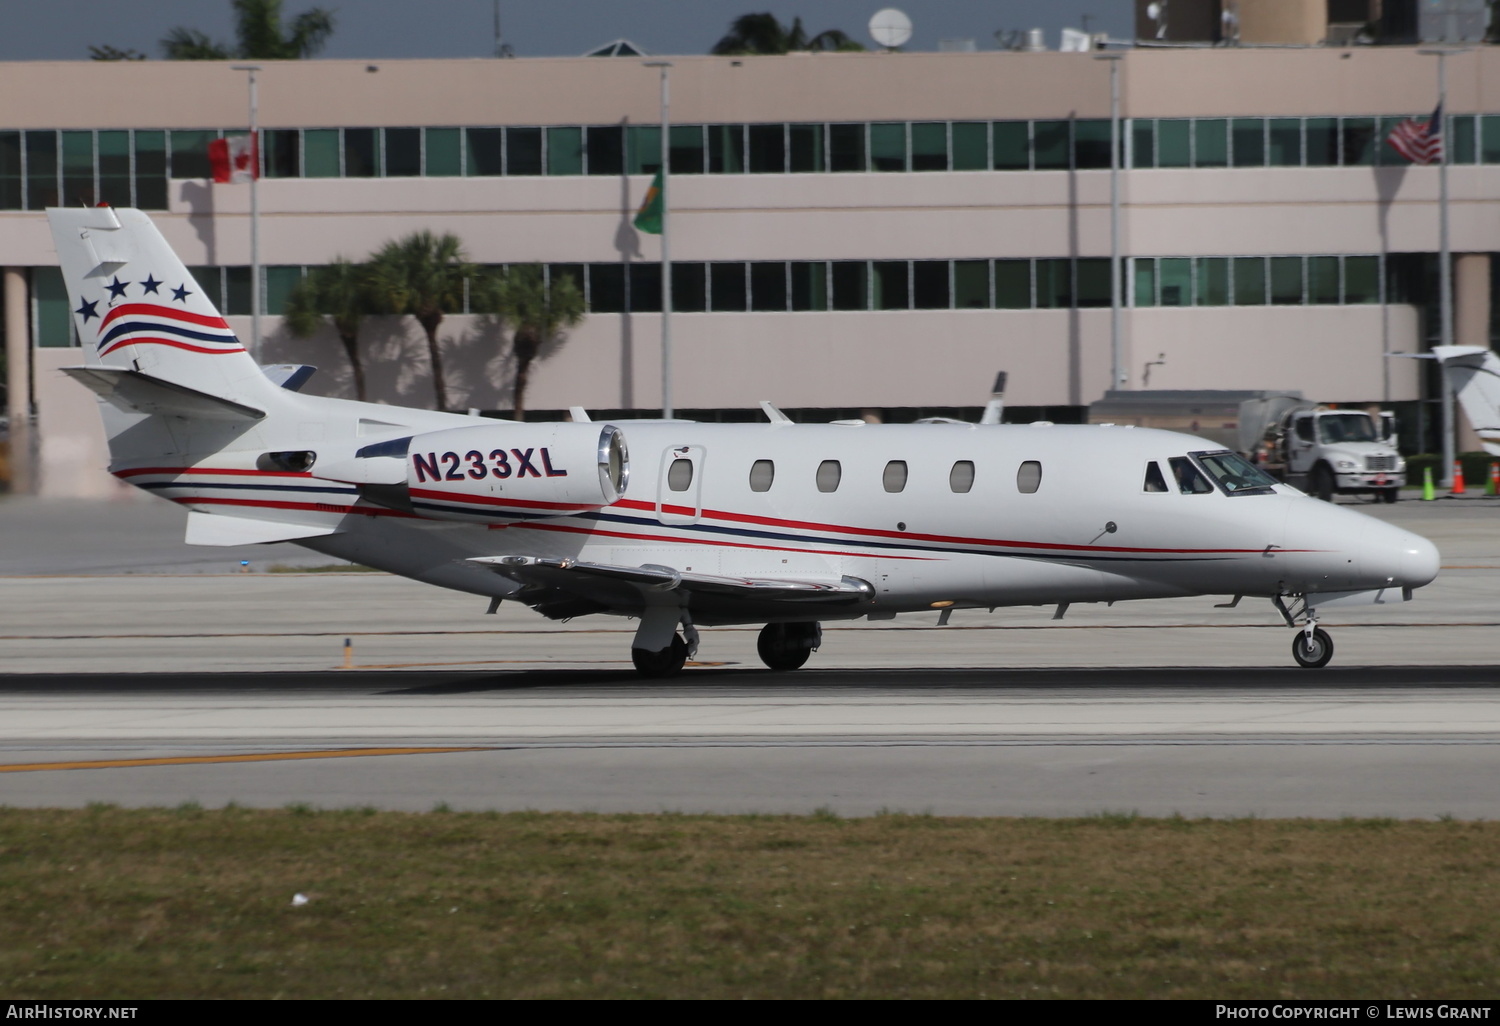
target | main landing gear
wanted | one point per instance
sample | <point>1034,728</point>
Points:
<point>1312,647</point>
<point>786,646</point>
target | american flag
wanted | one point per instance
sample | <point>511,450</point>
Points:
<point>1420,142</point>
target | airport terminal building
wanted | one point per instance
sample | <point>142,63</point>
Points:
<point>848,232</point>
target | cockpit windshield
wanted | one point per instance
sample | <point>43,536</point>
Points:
<point>1234,474</point>
<point>1346,427</point>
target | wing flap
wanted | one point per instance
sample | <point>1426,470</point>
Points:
<point>574,575</point>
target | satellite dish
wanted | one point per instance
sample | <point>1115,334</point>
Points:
<point>890,27</point>
<point>1153,11</point>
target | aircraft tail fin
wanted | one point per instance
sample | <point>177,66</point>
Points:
<point>137,308</point>
<point>1474,372</point>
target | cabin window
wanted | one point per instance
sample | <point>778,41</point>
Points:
<point>961,477</point>
<point>762,473</point>
<point>1028,477</point>
<point>680,475</point>
<point>1189,480</point>
<point>829,473</point>
<point>894,478</point>
<point>1154,481</point>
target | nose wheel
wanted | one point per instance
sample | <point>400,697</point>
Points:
<point>1312,647</point>
<point>1312,650</point>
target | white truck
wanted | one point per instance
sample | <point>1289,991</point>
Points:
<point>1322,450</point>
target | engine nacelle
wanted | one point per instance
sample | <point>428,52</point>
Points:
<point>504,472</point>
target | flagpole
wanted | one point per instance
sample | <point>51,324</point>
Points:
<point>254,209</point>
<point>1445,269</point>
<point>667,409</point>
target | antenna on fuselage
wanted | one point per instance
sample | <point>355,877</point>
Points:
<point>996,406</point>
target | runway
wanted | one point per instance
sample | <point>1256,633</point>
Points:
<point>158,687</point>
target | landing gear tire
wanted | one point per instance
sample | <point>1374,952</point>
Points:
<point>1315,652</point>
<point>666,663</point>
<point>1322,484</point>
<point>787,646</point>
<point>1390,494</point>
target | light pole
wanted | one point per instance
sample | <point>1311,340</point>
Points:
<point>667,410</point>
<point>254,209</point>
<point>1445,270</point>
<point>1117,376</point>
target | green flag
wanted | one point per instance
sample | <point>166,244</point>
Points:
<point>648,218</point>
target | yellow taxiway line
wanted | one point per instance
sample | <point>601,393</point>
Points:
<point>193,760</point>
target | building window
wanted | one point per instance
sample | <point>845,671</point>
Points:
<point>1143,143</point>
<point>1211,142</point>
<point>282,156</point>
<point>767,149</point>
<point>971,284</point>
<point>1145,281</point>
<point>1054,284</point>
<point>114,168</point>
<point>643,149</point>
<point>929,285</point>
<point>1012,146</point>
<point>727,287</point>
<point>360,155</point>
<point>1092,287</point>
<point>1176,281</point>
<point>1090,144</point>
<point>888,146</point>
<point>1051,148</point>
<point>54,319</point>
<point>645,288</point>
<point>1286,281</point>
<point>890,285</point>
<point>1249,281</point>
<point>726,149</point>
<point>1013,284</point>
<point>1357,141</point>
<point>809,285</point>
<point>606,149</point>
<point>1285,136</point>
<point>320,153</point>
<point>850,285</point>
<point>768,286</point>
<point>189,151</point>
<point>846,147</point>
<point>1323,280</point>
<point>565,151</point>
<point>828,475</point>
<point>971,145</point>
<point>523,151</point>
<point>403,152</point>
<point>806,149</point>
<point>607,288</point>
<point>484,152</point>
<point>1362,279</point>
<point>41,170</point>
<point>686,150</point>
<point>442,152</point>
<point>1174,143</point>
<point>929,146</point>
<point>1248,136</point>
<point>690,287</point>
<point>1212,274</point>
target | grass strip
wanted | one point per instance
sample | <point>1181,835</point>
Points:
<point>187,902</point>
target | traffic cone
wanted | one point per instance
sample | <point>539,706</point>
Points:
<point>1428,492</point>
<point>1493,487</point>
<point>1458,478</point>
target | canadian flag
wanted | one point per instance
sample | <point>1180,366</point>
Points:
<point>234,158</point>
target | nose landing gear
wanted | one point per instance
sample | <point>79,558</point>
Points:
<point>1312,647</point>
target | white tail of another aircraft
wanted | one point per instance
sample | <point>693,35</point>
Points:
<point>1474,373</point>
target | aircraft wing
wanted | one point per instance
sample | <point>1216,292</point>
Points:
<point>615,587</point>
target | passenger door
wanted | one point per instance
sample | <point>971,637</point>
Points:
<point>679,485</point>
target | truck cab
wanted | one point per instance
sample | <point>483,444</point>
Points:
<point>1328,452</point>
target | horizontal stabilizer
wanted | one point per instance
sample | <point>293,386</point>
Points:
<point>573,575</point>
<point>216,529</point>
<point>133,391</point>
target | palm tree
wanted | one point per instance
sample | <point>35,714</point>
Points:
<point>536,312</point>
<point>422,275</point>
<point>339,292</point>
<point>258,35</point>
<point>763,34</point>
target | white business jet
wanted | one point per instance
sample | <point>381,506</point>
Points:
<point>682,525</point>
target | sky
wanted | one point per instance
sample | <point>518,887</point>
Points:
<point>392,29</point>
